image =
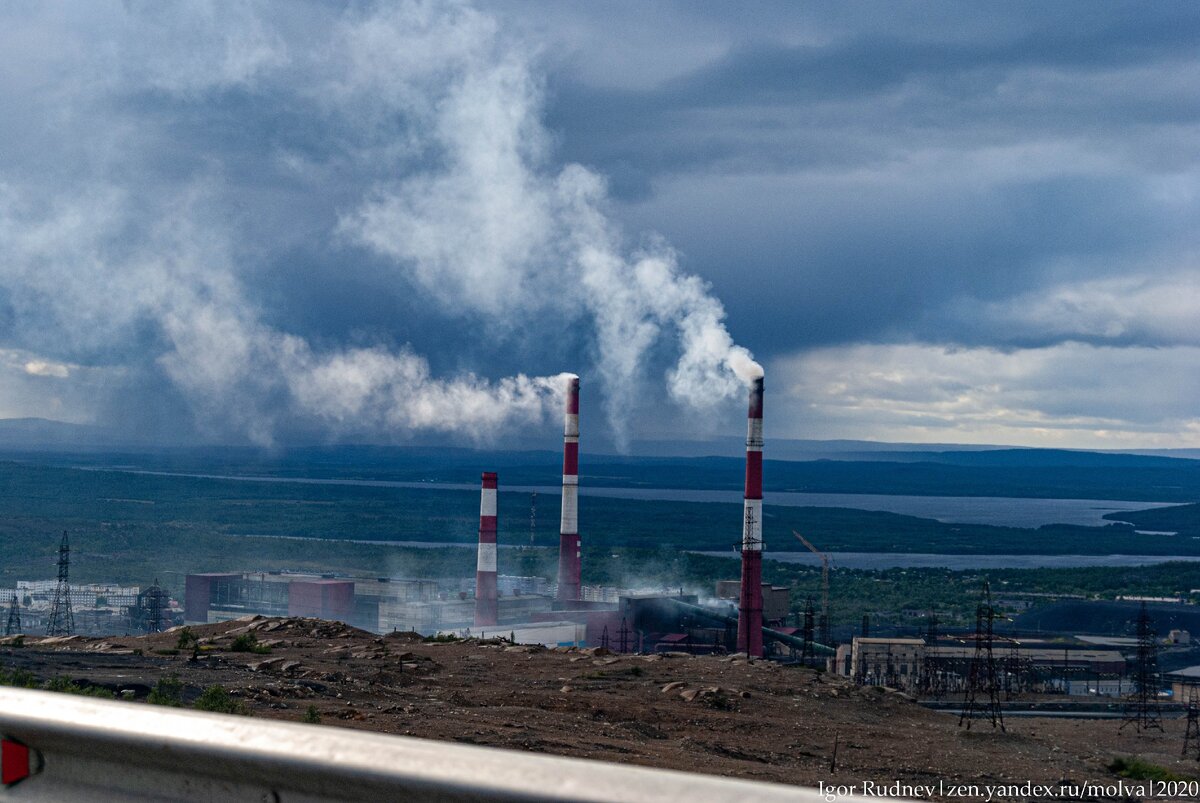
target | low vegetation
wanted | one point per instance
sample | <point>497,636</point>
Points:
<point>248,642</point>
<point>1137,769</point>
<point>168,691</point>
<point>218,700</point>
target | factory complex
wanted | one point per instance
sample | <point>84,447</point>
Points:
<point>525,609</point>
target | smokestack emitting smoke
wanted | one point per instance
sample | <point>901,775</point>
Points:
<point>568,542</point>
<point>751,602</point>
<point>486,606</point>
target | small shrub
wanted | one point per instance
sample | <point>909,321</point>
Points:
<point>67,686</point>
<point>168,691</point>
<point>441,638</point>
<point>217,699</point>
<point>312,715</point>
<point>187,639</point>
<point>20,678</point>
<point>18,641</point>
<point>246,642</point>
<point>97,691</point>
<point>61,684</point>
<point>1137,769</point>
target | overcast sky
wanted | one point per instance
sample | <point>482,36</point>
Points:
<point>928,222</point>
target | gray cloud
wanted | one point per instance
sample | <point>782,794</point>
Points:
<point>399,147</point>
<point>272,221</point>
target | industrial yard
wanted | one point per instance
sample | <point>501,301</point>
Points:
<point>717,714</point>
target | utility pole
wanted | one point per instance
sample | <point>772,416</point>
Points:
<point>62,620</point>
<point>532,516</point>
<point>928,682</point>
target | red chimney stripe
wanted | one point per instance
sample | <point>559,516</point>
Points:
<point>571,459</point>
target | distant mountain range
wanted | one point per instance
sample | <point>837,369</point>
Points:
<point>37,434</point>
<point>45,435</point>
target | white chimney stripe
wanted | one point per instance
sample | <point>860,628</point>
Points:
<point>754,435</point>
<point>570,510</point>
<point>571,425</point>
<point>487,502</point>
<point>487,558</point>
<point>752,525</point>
<point>570,479</point>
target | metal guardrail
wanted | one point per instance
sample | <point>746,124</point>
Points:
<point>82,748</point>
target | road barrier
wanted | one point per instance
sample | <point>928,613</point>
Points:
<point>62,747</point>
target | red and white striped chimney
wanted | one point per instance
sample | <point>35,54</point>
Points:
<point>751,602</point>
<point>486,606</point>
<point>568,540</point>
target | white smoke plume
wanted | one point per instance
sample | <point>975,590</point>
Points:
<point>442,113</point>
<point>496,229</point>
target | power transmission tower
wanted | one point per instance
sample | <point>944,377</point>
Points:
<point>604,637</point>
<point>807,653</point>
<point>623,635</point>
<point>981,676</point>
<point>14,618</point>
<point>151,603</point>
<point>1191,736</point>
<point>62,621</point>
<point>1141,707</point>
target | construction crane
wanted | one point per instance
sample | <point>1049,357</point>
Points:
<point>825,623</point>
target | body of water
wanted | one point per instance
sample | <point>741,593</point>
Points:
<point>1001,511</point>
<point>924,560</point>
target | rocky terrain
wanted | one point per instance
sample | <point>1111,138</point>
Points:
<point>721,715</point>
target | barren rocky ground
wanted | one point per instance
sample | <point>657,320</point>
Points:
<point>720,715</point>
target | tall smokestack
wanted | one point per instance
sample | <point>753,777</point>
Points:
<point>568,541</point>
<point>751,602</point>
<point>486,606</point>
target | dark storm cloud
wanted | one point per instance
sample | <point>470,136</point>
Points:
<point>299,219</point>
<point>876,183</point>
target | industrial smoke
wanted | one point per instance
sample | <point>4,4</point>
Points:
<point>128,276</point>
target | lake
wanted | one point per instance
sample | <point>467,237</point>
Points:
<point>897,560</point>
<point>1000,511</point>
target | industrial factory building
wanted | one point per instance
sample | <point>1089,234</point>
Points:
<point>380,605</point>
<point>776,600</point>
<point>899,662</point>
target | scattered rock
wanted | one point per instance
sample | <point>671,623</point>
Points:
<point>262,666</point>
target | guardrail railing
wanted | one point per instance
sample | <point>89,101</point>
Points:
<point>60,747</point>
